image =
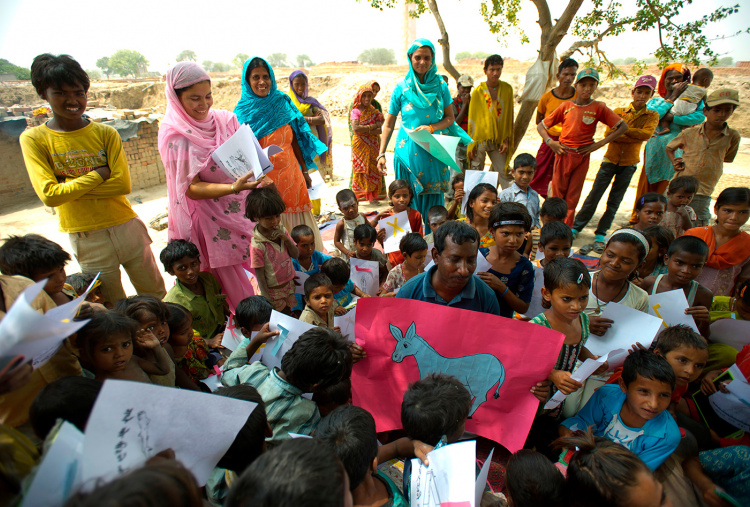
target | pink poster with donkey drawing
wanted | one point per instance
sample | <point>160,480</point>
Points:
<point>497,359</point>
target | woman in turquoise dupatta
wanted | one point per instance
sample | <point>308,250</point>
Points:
<point>425,103</point>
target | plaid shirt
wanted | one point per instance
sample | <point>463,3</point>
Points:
<point>625,150</point>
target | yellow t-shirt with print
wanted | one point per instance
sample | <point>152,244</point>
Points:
<point>61,168</point>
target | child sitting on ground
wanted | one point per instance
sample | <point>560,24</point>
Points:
<point>660,239</point>
<point>319,302</point>
<point>524,166</point>
<point>649,210</point>
<point>364,243</point>
<point>251,318</point>
<point>318,359</point>
<point>344,290</point>
<point>343,236</point>
<point>414,250</point>
<point>106,345</point>
<point>309,260</point>
<point>401,195</point>
<point>685,259</point>
<point>272,250</point>
<point>191,352</point>
<point>555,240</point>
<point>634,413</point>
<point>679,216</point>
<point>37,258</point>
<point>532,480</point>
<point>453,204</point>
<point>436,216</point>
<point>554,209</point>
<point>81,281</point>
<point>198,291</point>
<point>690,99</point>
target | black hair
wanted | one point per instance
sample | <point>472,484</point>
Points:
<point>134,306</point>
<point>263,202</point>
<point>102,325</point>
<point>333,396</point>
<point>80,281</point>
<point>631,239</point>
<point>411,243</point>
<point>600,470</point>
<point>365,231</point>
<point>350,432</point>
<point>50,70</point>
<point>648,198</point>
<point>180,91</point>
<point>176,250</point>
<point>337,270</point>
<point>319,358</point>
<point>687,183</point>
<point>493,60</point>
<point>554,207</point>
<point>678,336</point>
<point>562,271</point>
<point>397,185</point>
<point>315,281</point>
<point>457,178</point>
<point>474,195</point>
<point>178,315</point>
<point>254,64</point>
<point>648,365</point>
<point>555,230</point>
<point>458,232</point>
<point>436,212</point>
<point>698,73</point>
<point>345,196</point>
<point>300,472</point>
<point>733,195</point>
<point>661,235</point>
<point>532,480</point>
<point>301,231</point>
<point>67,398</point>
<point>249,442</point>
<point>434,406</point>
<point>30,256</point>
<point>568,62</point>
<point>524,160</point>
<point>688,244</point>
<point>509,211</point>
<point>706,107</point>
<point>252,311</point>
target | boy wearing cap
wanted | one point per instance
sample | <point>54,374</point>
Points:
<point>620,162</point>
<point>461,110</point>
<point>706,147</point>
<point>579,118</point>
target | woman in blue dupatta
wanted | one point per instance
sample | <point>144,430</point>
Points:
<point>425,103</point>
<point>275,119</point>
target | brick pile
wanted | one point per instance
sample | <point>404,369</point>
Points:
<point>142,154</point>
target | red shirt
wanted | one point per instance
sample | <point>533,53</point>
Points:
<point>579,122</point>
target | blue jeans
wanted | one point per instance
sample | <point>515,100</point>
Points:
<point>607,171</point>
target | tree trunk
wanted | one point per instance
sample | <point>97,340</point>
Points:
<point>444,42</point>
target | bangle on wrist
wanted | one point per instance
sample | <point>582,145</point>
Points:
<point>505,292</point>
<point>380,156</point>
<point>548,141</point>
<point>233,190</point>
<point>432,129</point>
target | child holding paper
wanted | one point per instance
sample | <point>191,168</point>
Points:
<point>400,194</point>
<point>512,275</point>
<point>309,260</point>
<point>414,250</point>
<point>37,258</point>
<point>685,259</point>
<point>478,207</point>
<point>271,249</point>
<point>364,243</point>
<point>320,305</point>
<point>343,236</point>
<point>338,271</point>
<point>252,318</point>
<point>454,204</point>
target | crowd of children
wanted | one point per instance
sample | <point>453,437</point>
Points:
<point>633,436</point>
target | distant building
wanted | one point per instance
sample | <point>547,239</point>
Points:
<point>8,77</point>
<point>744,65</point>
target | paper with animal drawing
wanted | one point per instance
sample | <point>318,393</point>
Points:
<point>440,146</point>
<point>290,329</point>
<point>474,178</point>
<point>241,154</point>
<point>449,478</point>
<point>365,275</point>
<point>396,227</point>
<point>35,336</point>
<point>318,189</point>
<point>535,305</point>
<point>583,372</point>
<point>408,339</point>
<point>735,333</point>
<point>133,421</point>
<point>670,306</point>
<point>59,474</point>
<point>483,265</point>
<point>630,326</point>
<point>299,282</point>
<point>346,324</point>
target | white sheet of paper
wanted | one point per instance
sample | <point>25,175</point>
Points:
<point>396,227</point>
<point>440,146</point>
<point>319,189</point>
<point>448,478</point>
<point>59,474</point>
<point>428,257</point>
<point>482,479</point>
<point>735,333</point>
<point>429,265</point>
<point>535,305</point>
<point>483,265</point>
<point>133,421</point>
<point>734,406</point>
<point>241,154</point>
<point>365,275</point>
<point>299,278</point>
<point>630,326</point>
<point>289,330</point>
<point>346,323</point>
<point>583,372</point>
<point>474,178</point>
<point>670,307</point>
<point>231,338</point>
<point>297,435</point>
<point>213,382</point>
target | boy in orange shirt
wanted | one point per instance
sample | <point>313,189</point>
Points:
<point>579,118</point>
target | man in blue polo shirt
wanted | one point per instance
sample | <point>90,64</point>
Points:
<point>451,282</point>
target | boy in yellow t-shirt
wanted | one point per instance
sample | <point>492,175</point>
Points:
<point>79,167</point>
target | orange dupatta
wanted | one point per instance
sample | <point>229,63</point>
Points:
<point>729,254</point>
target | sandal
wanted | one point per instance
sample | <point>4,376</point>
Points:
<point>598,247</point>
<point>585,249</point>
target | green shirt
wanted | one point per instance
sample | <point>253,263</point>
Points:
<point>208,310</point>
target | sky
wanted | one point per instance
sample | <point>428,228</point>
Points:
<point>325,30</point>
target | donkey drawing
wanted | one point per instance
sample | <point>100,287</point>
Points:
<point>478,372</point>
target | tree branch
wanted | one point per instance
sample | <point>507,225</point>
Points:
<point>443,40</point>
<point>657,15</point>
<point>577,46</point>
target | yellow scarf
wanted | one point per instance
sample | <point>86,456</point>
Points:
<point>303,108</point>
<point>483,124</point>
